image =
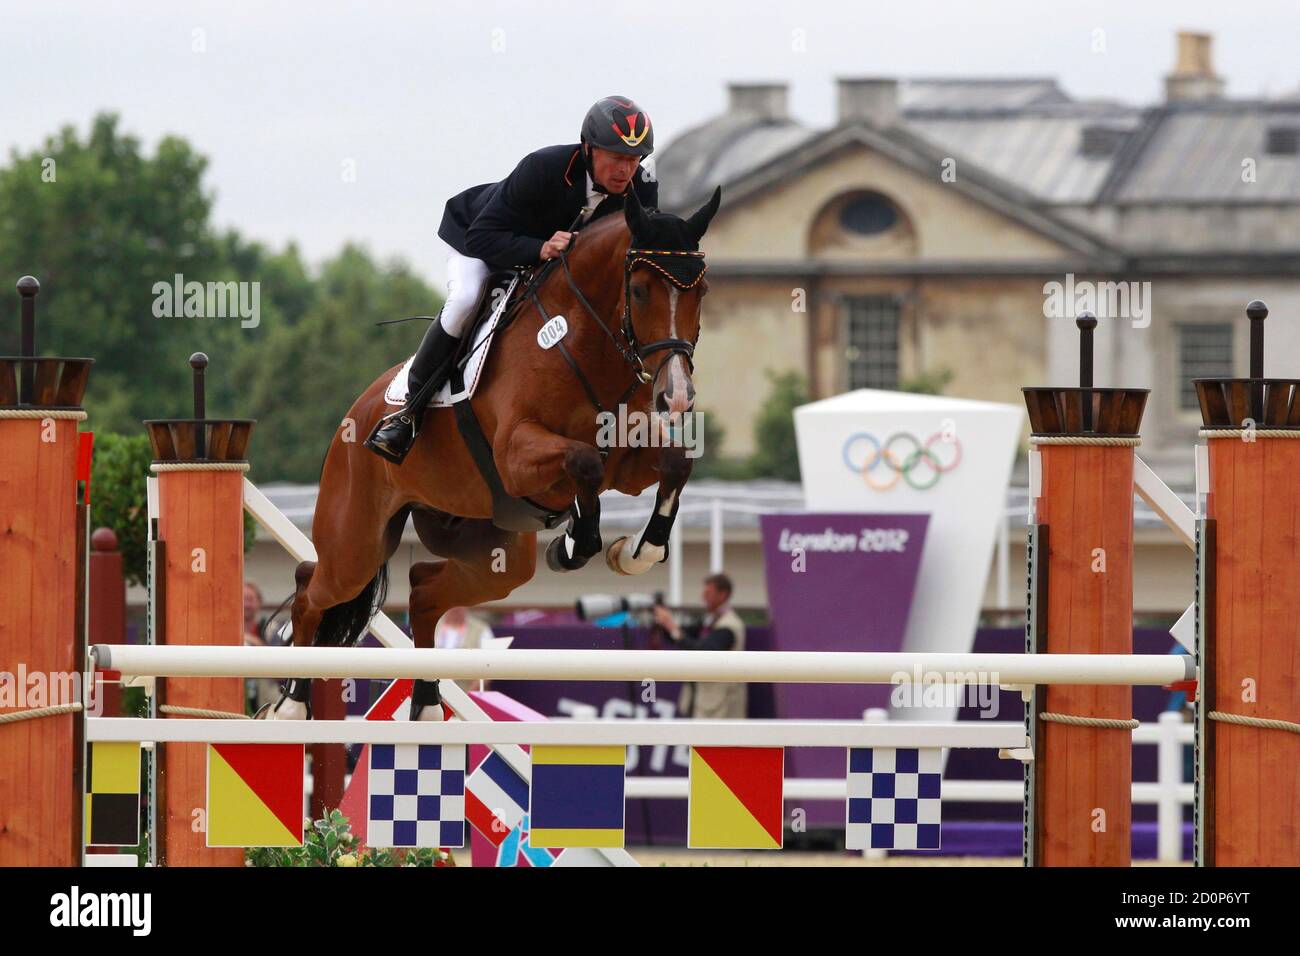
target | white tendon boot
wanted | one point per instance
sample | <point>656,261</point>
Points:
<point>630,556</point>
<point>294,702</point>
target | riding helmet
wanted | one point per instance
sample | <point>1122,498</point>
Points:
<point>616,123</point>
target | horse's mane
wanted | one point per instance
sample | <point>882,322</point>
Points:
<point>602,229</point>
<point>663,230</point>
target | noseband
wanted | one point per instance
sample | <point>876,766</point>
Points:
<point>684,270</point>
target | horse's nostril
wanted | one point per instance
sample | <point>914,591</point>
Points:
<point>661,401</point>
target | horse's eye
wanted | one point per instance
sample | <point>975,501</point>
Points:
<point>639,292</point>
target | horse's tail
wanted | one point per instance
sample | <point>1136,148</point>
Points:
<point>343,624</point>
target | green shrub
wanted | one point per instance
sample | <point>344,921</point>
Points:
<point>329,842</point>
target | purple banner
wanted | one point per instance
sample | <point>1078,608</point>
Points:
<point>841,581</point>
<point>837,582</point>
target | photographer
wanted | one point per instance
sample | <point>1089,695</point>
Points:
<point>721,630</point>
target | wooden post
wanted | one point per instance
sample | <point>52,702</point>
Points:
<point>107,611</point>
<point>1078,800</point>
<point>328,761</point>
<point>42,554</point>
<point>1248,780</point>
<point>200,465</point>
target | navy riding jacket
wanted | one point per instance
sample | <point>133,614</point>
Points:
<point>506,223</point>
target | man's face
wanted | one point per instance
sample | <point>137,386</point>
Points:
<point>713,596</point>
<point>251,604</point>
<point>613,170</point>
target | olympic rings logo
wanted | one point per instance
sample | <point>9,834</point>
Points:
<point>864,454</point>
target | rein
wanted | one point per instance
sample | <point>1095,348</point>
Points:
<point>684,270</point>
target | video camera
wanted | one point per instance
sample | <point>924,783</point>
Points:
<point>592,607</point>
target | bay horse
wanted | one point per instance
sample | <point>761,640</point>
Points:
<point>538,408</point>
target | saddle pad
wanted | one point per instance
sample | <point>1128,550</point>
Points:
<point>395,394</point>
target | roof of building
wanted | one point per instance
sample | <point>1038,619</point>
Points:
<point>1039,149</point>
<point>1030,134</point>
<point>721,151</point>
<point>1191,155</point>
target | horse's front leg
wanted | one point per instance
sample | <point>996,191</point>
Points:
<point>536,458</point>
<point>649,546</point>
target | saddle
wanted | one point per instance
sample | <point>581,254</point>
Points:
<point>499,304</point>
<point>500,290</point>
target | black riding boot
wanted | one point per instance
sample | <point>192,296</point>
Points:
<point>395,433</point>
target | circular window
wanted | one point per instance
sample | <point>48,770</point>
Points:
<point>868,215</point>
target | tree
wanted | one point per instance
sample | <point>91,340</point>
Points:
<point>776,454</point>
<point>101,224</point>
<point>928,382</point>
<point>118,499</point>
<point>98,223</point>
<point>301,381</point>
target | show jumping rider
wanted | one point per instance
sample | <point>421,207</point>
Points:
<point>521,221</point>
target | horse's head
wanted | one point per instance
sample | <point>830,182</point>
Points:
<point>663,286</point>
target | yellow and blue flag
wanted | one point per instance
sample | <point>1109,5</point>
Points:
<point>577,796</point>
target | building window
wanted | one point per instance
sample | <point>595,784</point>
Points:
<point>1101,140</point>
<point>868,215</point>
<point>871,341</point>
<point>1204,351</point>
<point>1283,140</point>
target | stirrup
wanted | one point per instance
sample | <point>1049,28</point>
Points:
<point>386,452</point>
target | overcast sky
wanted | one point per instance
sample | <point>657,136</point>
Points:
<point>426,98</point>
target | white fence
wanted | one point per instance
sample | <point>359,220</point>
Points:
<point>1170,794</point>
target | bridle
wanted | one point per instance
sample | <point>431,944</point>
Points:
<point>684,270</point>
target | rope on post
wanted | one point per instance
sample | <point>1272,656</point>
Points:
<point>1107,723</point>
<point>201,712</point>
<point>1253,432</point>
<point>65,414</point>
<point>1266,723</point>
<point>1118,441</point>
<point>160,466</point>
<point>36,712</point>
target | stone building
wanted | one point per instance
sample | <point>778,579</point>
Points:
<point>917,236</point>
<point>948,228</point>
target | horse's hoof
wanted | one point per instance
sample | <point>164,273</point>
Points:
<point>557,558</point>
<point>429,713</point>
<point>622,561</point>
<point>612,554</point>
<point>288,709</point>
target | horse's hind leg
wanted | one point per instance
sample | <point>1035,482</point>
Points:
<point>483,564</point>
<point>336,595</point>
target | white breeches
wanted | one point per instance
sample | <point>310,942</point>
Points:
<point>465,280</point>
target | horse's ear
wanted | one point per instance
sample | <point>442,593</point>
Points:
<point>634,214</point>
<point>700,219</point>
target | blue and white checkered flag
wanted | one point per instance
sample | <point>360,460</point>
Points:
<point>417,795</point>
<point>893,798</point>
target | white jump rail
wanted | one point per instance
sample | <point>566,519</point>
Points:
<point>626,665</point>
<point>700,733</point>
